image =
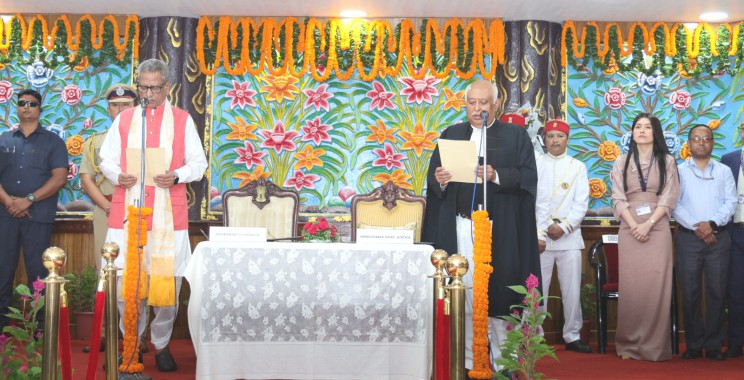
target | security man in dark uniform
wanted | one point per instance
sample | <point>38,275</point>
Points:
<point>33,167</point>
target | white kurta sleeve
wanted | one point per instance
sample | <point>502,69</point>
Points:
<point>194,157</point>
<point>111,153</point>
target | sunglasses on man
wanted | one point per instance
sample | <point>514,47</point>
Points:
<point>29,103</point>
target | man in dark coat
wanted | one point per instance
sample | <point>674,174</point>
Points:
<point>512,184</point>
<point>736,261</point>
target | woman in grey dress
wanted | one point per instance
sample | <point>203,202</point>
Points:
<point>645,188</point>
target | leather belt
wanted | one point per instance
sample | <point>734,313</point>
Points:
<point>740,224</point>
<point>464,216</point>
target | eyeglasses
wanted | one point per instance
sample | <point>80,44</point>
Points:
<point>154,89</point>
<point>28,103</point>
<point>699,139</point>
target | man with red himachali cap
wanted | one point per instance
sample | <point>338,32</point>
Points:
<point>562,201</point>
<point>95,184</point>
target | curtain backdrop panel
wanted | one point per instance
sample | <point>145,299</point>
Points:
<point>173,40</point>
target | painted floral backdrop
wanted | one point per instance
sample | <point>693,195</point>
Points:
<point>73,108</point>
<point>328,140</point>
<point>602,104</point>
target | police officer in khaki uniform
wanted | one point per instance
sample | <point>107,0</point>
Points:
<point>98,188</point>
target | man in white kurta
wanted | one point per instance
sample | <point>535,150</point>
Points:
<point>562,202</point>
<point>173,132</point>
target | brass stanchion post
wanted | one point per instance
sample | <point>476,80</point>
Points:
<point>54,259</point>
<point>438,259</point>
<point>457,266</point>
<point>110,251</point>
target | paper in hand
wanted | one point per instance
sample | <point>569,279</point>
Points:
<point>154,163</point>
<point>460,159</point>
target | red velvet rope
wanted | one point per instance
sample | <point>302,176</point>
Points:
<point>443,343</point>
<point>95,340</point>
<point>65,352</point>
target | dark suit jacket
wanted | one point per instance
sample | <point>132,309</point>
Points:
<point>511,208</point>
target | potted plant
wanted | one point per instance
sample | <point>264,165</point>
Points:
<point>588,307</point>
<point>81,298</point>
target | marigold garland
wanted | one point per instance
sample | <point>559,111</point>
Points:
<point>481,273</point>
<point>29,34</point>
<point>371,48</point>
<point>691,51</point>
<point>136,220</point>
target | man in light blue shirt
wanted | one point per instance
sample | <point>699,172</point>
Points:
<point>707,202</point>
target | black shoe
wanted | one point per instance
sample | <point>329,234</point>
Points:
<point>578,346</point>
<point>715,355</point>
<point>733,352</point>
<point>165,362</point>
<point>143,347</point>
<point>692,353</point>
<point>102,348</point>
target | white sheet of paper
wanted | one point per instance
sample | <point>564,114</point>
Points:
<point>241,234</point>
<point>154,163</point>
<point>460,159</point>
<point>386,236</point>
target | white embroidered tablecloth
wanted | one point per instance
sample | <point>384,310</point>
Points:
<point>310,311</point>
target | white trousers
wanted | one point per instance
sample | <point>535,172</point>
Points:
<point>161,327</point>
<point>496,326</point>
<point>569,277</point>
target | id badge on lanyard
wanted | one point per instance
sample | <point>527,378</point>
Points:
<point>643,209</point>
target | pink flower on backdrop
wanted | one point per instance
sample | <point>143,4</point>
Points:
<point>72,172</point>
<point>381,99</point>
<point>241,95</point>
<point>419,90</point>
<point>315,131</point>
<point>71,94</point>
<point>614,98</point>
<point>346,192</point>
<point>87,123</point>
<point>248,155</point>
<point>318,98</point>
<point>279,138</point>
<point>388,158</point>
<point>6,91</point>
<point>302,180</point>
<point>680,99</point>
<point>532,282</point>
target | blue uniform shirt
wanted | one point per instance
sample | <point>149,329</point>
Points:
<point>26,163</point>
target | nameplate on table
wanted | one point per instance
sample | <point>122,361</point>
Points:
<point>241,234</point>
<point>384,236</point>
<point>609,239</point>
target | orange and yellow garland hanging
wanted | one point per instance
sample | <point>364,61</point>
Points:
<point>73,39</point>
<point>481,273</point>
<point>487,47</point>
<point>134,278</point>
<point>692,42</point>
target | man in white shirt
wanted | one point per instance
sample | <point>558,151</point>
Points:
<point>562,201</point>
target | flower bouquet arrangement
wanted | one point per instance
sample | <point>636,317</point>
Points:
<point>319,230</point>
<point>20,349</point>
<point>525,345</point>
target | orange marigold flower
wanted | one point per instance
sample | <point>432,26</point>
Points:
<point>714,124</point>
<point>241,130</point>
<point>246,177</point>
<point>578,102</point>
<point>597,188</point>
<point>279,87</point>
<point>609,151</point>
<point>455,100</point>
<point>309,157</point>
<point>82,66</point>
<point>419,140</point>
<point>75,145</point>
<point>684,152</point>
<point>380,133</point>
<point>398,177</point>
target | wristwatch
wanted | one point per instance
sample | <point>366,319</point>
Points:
<point>175,180</point>
<point>31,197</point>
<point>713,225</point>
